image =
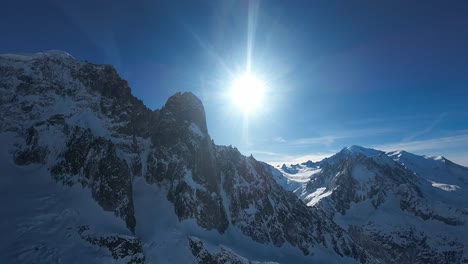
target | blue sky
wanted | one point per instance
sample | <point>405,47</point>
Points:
<point>383,74</point>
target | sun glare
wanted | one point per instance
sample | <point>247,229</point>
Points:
<point>247,93</point>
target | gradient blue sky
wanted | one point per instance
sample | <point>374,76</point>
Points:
<point>383,74</point>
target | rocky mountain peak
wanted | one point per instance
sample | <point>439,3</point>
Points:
<point>186,107</point>
<point>310,164</point>
<point>355,149</point>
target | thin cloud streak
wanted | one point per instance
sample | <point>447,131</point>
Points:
<point>268,153</point>
<point>328,140</point>
<point>325,140</point>
<point>380,120</point>
<point>428,144</point>
<point>426,130</point>
<point>280,140</point>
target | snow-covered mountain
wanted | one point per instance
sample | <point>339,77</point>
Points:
<point>400,207</point>
<point>91,175</point>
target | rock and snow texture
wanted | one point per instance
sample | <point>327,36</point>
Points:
<point>91,175</point>
<point>450,180</point>
<point>400,207</point>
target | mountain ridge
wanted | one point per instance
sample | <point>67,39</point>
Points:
<point>109,168</point>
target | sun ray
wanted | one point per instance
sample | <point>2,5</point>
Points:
<point>251,27</point>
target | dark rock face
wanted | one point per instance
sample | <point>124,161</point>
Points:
<point>121,247</point>
<point>117,101</point>
<point>93,163</point>
<point>186,107</point>
<point>415,249</point>
<point>203,256</point>
<point>184,157</point>
<point>33,153</point>
<point>106,81</point>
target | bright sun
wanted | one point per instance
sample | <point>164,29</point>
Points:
<point>247,92</point>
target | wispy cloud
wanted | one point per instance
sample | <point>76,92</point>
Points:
<point>267,153</point>
<point>323,140</point>
<point>428,144</point>
<point>328,140</point>
<point>426,130</point>
<point>280,140</point>
<point>385,120</point>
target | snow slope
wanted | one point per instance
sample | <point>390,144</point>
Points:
<point>450,180</point>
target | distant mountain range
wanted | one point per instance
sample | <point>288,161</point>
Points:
<point>91,175</point>
<point>400,207</point>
